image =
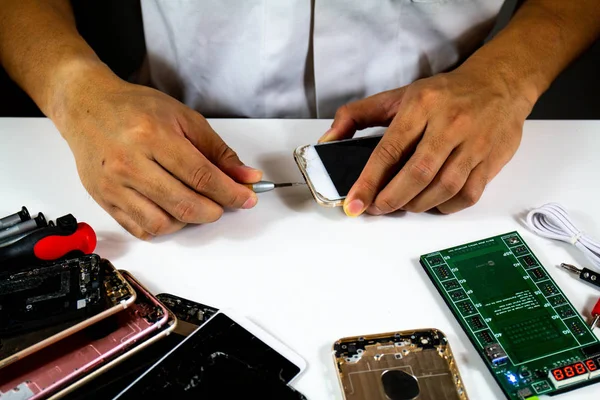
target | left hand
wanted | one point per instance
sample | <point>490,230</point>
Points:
<point>455,131</point>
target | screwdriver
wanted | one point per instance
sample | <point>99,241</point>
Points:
<point>266,186</point>
<point>584,274</point>
<point>16,218</point>
<point>23,227</point>
<point>595,315</point>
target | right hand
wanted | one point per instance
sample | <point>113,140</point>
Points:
<point>152,163</point>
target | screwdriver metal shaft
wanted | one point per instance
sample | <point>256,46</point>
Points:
<point>594,322</point>
<point>267,186</point>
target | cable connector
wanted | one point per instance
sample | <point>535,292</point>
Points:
<point>584,274</point>
<point>552,221</point>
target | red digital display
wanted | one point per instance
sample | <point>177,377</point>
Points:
<point>570,371</point>
<point>591,365</point>
<point>558,374</point>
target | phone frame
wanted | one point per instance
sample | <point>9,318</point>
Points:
<point>122,305</point>
<point>316,176</point>
<point>306,166</point>
<point>245,323</point>
<point>171,318</point>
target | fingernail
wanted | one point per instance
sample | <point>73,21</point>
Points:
<point>325,136</point>
<point>374,210</point>
<point>250,169</point>
<point>251,202</point>
<point>354,208</point>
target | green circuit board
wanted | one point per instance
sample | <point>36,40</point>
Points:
<point>528,333</point>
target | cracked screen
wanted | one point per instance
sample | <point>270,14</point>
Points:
<point>219,360</point>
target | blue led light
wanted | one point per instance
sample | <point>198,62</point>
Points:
<point>511,377</point>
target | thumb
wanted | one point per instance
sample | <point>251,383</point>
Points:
<point>376,110</point>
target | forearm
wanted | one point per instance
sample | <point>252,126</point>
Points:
<point>540,41</point>
<point>42,51</point>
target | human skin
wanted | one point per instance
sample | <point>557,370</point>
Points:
<point>455,131</point>
<point>152,163</point>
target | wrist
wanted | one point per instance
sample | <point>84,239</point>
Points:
<point>74,85</point>
<point>521,88</point>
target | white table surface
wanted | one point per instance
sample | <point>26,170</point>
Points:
<point>310,275</point>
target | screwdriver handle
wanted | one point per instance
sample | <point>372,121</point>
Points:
<point>260,187</point>
<point>595,315</point>
<point>50,243</point>
<point>590,276</point>
<point>56,246</point>
<point>596,309</point>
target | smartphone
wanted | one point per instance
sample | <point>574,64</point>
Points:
<point>331,169</point>
<point>118,294</point>
<point>227,377</point>
<point>195,368</point>
<point>162,332</point>
<point>42,374</point>
<point>398,365</point>
<point>112,381</point>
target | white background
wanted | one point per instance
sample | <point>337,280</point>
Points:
<point>310,275</point>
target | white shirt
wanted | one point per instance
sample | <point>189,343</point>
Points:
<point>282,58</point>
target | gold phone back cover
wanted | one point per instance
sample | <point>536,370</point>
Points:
<point>404,365</point>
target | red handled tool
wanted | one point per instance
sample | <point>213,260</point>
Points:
<point>595,315</point>
<point>50,243</point>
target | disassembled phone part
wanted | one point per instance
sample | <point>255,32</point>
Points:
<point>190,371</point>
<point>529,335</point>
<point>152,311</point>
<point>190,315</point>
<point>60,364</point>
<point>404,365</point>
<point>112,378</point>
<point>35,297</point>
<point>66,297</point>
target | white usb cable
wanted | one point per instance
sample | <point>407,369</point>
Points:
<point>552,221</point>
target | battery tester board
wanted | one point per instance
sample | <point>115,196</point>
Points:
<point>528,333</point>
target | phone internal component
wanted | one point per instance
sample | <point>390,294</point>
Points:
<point>34,297</point>
<point>186,310</point>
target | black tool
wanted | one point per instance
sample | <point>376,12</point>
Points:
<point>22,228</point>
<point>584,274</point>
<point>15,218</point>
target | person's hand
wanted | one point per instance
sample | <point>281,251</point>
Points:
<point>148,160</point>
<point>454,132</point>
